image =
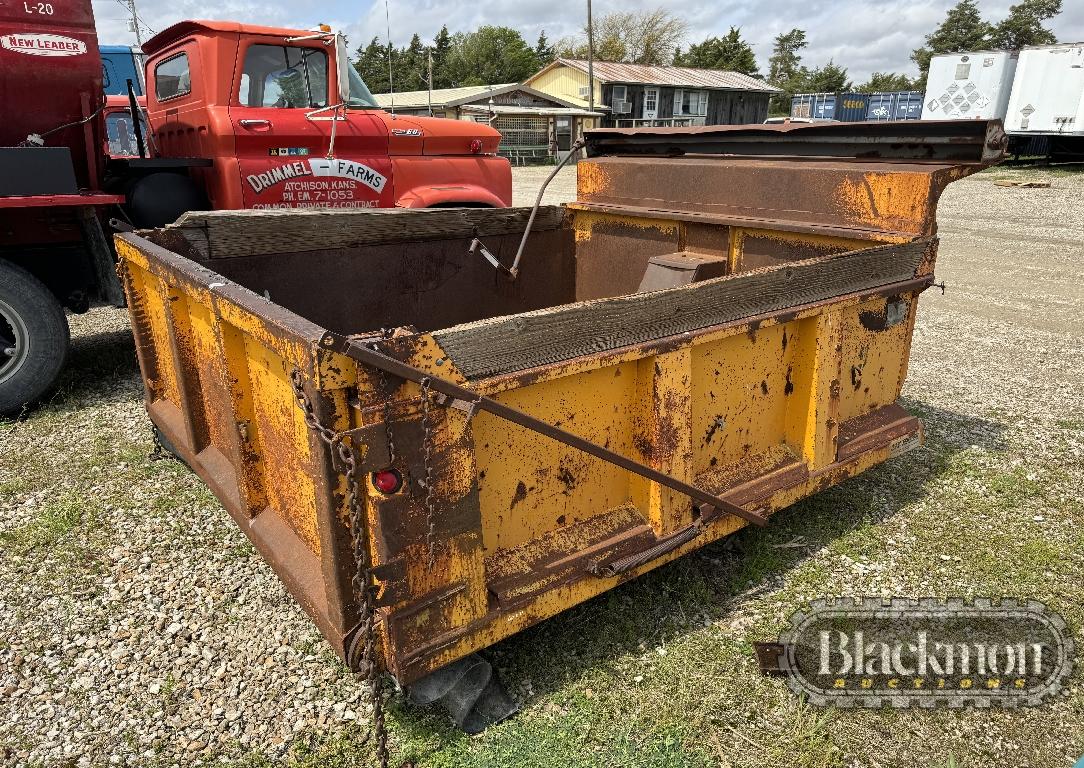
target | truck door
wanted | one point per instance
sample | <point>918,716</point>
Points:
<point>282,147</point>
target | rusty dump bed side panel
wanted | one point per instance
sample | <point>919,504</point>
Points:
<point>739,324</point>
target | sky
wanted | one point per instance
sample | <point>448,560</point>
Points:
<point>864,36</point>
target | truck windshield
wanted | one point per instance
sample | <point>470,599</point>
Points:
<point>121,135</point>
<point>284,77</point>
<point>360,98</point>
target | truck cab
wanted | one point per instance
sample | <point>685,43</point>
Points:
<point>265,106</point>
<point>120,64</point>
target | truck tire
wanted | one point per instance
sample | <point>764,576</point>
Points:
<point>34,338</point>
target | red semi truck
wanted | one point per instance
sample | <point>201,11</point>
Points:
<point>238,116</point>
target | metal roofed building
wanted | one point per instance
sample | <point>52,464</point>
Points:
<point>534,126</point>
<point>654,95</point>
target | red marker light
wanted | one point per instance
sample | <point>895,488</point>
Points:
<point>475,146</point>
<point>387,481</point>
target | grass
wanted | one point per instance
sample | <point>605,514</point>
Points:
<point>1031,172</point>
<point>660,672</point>
<point>49,528</point>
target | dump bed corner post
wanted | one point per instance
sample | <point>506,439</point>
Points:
<point>425,536</point>
<point>327,386</point>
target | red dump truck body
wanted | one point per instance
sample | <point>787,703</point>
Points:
<point>52,76</point>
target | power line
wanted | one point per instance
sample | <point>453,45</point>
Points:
<point>136,20</point>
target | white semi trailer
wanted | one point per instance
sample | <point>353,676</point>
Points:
<point>969,86</point>
<point>1037,91</point>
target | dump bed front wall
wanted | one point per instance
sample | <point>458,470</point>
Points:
<point>848,198</point>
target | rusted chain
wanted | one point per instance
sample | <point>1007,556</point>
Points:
<point>430,492</point>
<point>343,454</point>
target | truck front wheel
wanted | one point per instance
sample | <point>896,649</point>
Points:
<point>34,338</point>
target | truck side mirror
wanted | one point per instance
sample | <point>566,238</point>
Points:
<point>342,67</point>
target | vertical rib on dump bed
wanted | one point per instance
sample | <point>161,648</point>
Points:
<point>731,309</point>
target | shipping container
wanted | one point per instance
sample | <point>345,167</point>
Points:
<point>695,343</point>
<point>845,107</point>
<point>969,86</point>
<point>1048,91</point>
<point>909,105</point>
<point>895,105</point>
<point>812,105</point>
<point>119,65</point>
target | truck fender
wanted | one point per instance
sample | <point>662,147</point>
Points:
<point>468,195</point>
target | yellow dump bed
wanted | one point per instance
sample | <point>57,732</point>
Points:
<point>717,327</point>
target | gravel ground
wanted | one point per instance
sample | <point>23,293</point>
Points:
<point>137,625</point>
<point>527,180</point>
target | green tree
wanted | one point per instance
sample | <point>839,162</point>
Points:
<point>610,37</point>
<point>962,30</point>
<point>785,68</point>
<point>730,52</point>
<point>543,51</point>
<point>826,79</point>
<point>491,55</point>
<point>887,81</point>
<point>412,66</point>
<point>1024,25</point>
<point>371,62</point>
<point>785,61</point>
<point>442,50</point>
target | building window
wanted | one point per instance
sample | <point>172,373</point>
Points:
<point>284,77</point>
<point>172,78</point>
<point>619,103</point>
<point>690,102</point>
<point>520,131</point>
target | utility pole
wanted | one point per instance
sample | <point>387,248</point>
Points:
<point>135,22</point>
<point>429,55</point>
<point>590,58</point>
<point>391,52</point>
